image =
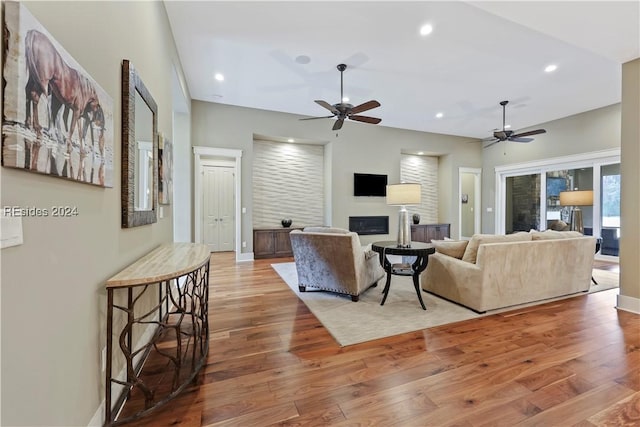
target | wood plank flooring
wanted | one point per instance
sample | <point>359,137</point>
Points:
<point>574,362</point>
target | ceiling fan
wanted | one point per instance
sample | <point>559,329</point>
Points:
<point>343,110</point>
<point>509,135</point>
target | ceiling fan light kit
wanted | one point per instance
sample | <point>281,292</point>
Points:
<point>509,135</point>
<point>343,110</point>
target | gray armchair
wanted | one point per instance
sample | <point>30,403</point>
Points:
<point>332,259</point>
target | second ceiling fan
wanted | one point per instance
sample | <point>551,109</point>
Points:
<point>509,135</point>
<point>343,110</point>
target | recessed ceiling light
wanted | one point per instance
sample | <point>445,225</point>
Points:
<point>550,68</point>
<point>290,140</point>
<point>439,116</point>
<point>345,99</point>
<point>303,59</point>
<point>219,77</point>
<point>426,29</point>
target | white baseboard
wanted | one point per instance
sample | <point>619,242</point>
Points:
<point>628,303</point>
<point>242,257</point>
<point>98,417</point>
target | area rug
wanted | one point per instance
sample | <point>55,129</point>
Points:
<point>351,323</point>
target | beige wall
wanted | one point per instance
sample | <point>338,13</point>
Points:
<point>358,147</point>
<point>630,187</point>
<point>182,177</point>
<point>53,299</point>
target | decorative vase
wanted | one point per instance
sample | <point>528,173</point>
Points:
<point>286,222</point>
<point>416,218</point>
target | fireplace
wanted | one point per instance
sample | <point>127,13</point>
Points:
<point>369,224</point>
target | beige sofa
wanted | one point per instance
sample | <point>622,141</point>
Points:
<point>332,259</point>
<point>491,272</point>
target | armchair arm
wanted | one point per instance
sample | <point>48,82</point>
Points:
<point>368,268</point>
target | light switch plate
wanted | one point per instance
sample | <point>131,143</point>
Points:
<point>11,231</point>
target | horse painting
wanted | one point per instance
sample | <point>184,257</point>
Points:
<point>67,128</point>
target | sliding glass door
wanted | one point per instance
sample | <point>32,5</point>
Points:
<point>528,196</point>
<point>560,180</point>
<point>610,203</point>
<point>522,211</point>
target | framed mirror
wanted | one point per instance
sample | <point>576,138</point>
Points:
<point>139,150</point>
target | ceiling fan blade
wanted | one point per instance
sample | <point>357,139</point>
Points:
<point>529,133</point>
<point>314,118</point>
<point>366,119</point>
<point>493,143</point>
<point>328,106</point>
<point>515,139</point>
<point>338,124</point>
<point>364,107</point>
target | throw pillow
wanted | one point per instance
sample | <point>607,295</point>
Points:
<point>552,234</point>
<point>452,248</point>
<point>558,225</point>
<point>370,254</point>
<point>471,252</point>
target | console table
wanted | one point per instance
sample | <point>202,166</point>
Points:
<point>272,242</point>
<point>418,249</point>
<point>157,310</point>
<point>428,232</point>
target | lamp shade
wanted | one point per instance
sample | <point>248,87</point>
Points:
<point>403,194</point>
<point>576,198</point>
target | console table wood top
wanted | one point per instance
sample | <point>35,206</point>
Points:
<point>166,262</point>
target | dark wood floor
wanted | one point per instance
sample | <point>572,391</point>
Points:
<point>606,265</point>
<point>574,362</point>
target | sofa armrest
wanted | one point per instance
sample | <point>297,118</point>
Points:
<point>453,279</point>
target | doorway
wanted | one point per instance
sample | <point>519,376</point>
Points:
<point>218,219</point>
<point>221,157</point>
<point>469,198</point>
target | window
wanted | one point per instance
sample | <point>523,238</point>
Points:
<point>523,203</point>
<point>527,192</point>
<point>610,219</point>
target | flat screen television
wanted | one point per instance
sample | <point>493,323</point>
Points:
<point>366,184</point>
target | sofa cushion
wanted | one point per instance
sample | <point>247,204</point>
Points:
<point>552,234</point>
<point>452,248</point>
<point>471,252</point>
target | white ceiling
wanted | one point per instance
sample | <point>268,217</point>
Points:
<point>479,54</point>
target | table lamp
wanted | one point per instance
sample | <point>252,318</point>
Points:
<point>402,195</point>
<point>576,199</point>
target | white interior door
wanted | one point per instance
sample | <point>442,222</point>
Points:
<point>218,208</point>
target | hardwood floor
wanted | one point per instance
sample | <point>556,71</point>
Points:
<point>574,362</point>
<point>606,265</point>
